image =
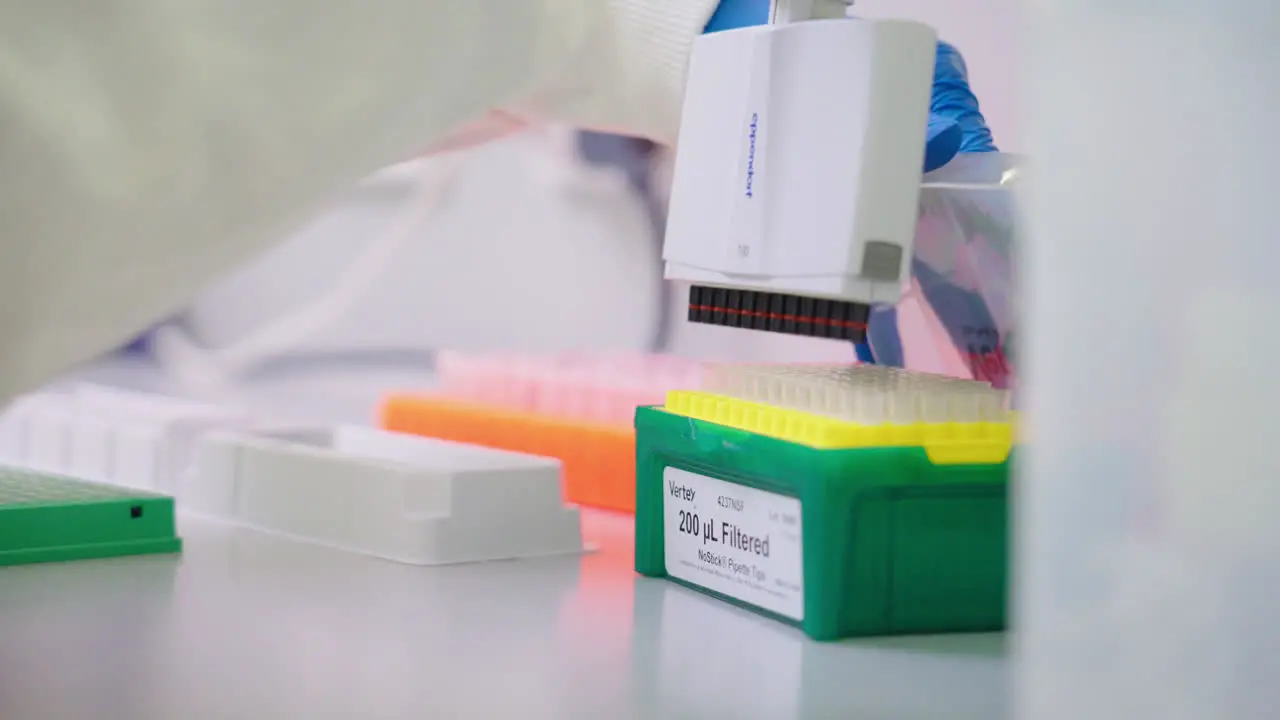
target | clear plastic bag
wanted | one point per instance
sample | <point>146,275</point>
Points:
<point>958,313</point>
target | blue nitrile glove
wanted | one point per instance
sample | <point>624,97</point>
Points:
<point>733,14</point>
<point>955,122</point>
<point>954,102</point>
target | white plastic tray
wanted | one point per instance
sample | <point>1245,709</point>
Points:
<point>414,500</point>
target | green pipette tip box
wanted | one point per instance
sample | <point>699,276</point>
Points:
<point>53,518</point>
<point>840,543</point>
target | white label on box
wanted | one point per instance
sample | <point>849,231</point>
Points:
<point>735,540</point>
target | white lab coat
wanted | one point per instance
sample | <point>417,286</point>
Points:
<point>149,146</point>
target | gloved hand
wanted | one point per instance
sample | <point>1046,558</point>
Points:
<point>956,124</point>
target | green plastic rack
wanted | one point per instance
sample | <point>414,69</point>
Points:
<point>838,542</point>
<point>52,518</point>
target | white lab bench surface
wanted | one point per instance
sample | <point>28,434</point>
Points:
<point>254,626</point>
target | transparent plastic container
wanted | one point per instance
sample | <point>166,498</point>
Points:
<point>958,314</point>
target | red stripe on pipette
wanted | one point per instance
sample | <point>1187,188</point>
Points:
<point>779,316</point>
